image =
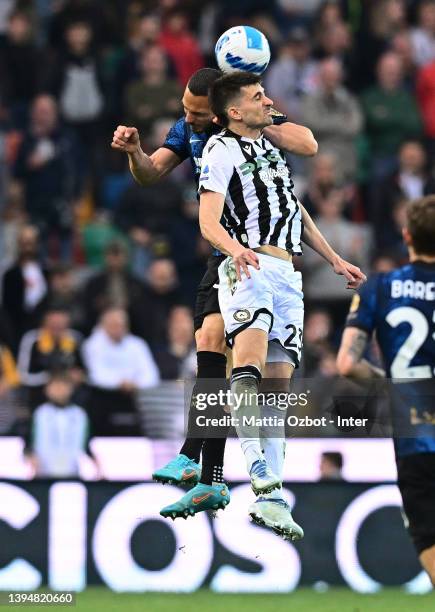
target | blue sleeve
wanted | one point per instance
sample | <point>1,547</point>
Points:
<point>177,140</point>
<point>364,306</point>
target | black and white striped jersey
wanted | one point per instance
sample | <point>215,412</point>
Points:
<point>255,178</point>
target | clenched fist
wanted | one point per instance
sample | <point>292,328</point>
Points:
<point>126,139</point>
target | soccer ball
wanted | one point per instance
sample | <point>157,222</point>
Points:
<point>242,48</point>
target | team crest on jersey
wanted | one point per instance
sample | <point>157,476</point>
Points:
<point>242,316</point>
<point>355,303</point>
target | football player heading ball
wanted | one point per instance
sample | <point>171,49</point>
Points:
<point>187,139</point>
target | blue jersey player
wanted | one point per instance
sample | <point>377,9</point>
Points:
<point>187,139</point>
<point>399,306</point>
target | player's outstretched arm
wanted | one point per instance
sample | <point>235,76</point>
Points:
<point>315,239</point>
<point>146,169</point>
<point>350,360</point>
<point>293,138</point>
<point>210,212</point>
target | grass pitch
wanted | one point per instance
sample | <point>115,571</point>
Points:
<point>302,600</point>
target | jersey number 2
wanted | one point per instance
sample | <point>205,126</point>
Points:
<point>400,367</point>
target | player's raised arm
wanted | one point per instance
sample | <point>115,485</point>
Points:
<point>315,239</point>
<point>293,138</point>
<point>146,169</point>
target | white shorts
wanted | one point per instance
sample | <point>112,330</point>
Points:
<point>271,300</point>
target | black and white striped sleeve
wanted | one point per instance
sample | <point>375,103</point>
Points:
<point>216,168</point>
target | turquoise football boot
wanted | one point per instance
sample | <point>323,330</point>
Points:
<point>181,471</point>
<point>200,498</point>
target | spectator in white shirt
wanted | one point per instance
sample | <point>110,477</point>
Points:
<point>423,36</point>
<point>60,432</point>
<point>119,364</point>
<point>116,359</point>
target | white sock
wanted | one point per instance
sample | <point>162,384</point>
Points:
<point>252,450</point>
<point>273,444</point>
<point>244,385</point>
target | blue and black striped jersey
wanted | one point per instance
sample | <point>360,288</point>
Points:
<point>188,144</point>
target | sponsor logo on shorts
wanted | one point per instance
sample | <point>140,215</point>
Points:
<point>243,315</point>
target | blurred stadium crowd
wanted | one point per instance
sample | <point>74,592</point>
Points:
<point>98,274</point>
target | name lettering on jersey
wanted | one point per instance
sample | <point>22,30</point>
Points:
<point>259,162</point>
<point>417,290</point>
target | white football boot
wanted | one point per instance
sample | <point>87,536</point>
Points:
<point>275,513</point>
<point>263,480</point>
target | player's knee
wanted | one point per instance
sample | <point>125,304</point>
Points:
<point>210,340</point>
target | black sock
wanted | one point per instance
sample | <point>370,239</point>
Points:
<point>246,373</point>
<point>210,365</point>
<point>213,460</point>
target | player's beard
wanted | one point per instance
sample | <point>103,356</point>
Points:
<point>262,122</point>
<point>261,125</point>
<point>201,127</point>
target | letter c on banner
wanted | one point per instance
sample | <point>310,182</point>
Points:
<point>18,508</point>
<point>112,536</point>
<point>346,540</point>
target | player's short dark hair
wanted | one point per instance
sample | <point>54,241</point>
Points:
<point>201,81</point>
<point>225,89</point>
<point>421,224</point>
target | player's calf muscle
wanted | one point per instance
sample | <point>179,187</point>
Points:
<point>427,559</point>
